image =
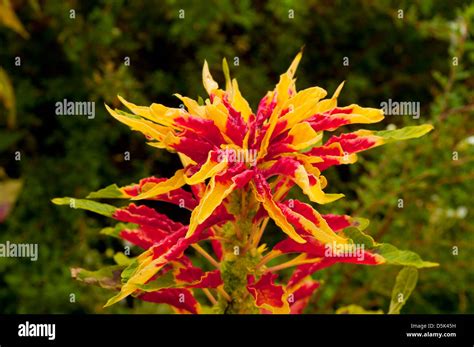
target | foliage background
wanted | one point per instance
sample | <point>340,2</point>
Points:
<point>82,59</point>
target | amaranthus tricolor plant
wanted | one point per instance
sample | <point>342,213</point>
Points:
<point>240,166</point>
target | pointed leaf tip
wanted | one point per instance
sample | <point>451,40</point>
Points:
<point>405,133</point>
<point>207,80</point>
<point>338,90</point>
<point>404,286</point>
<point>294,64</point>
<point>225,69</point>
<point>89,205</point>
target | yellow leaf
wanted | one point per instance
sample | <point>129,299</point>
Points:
<point>277,215</point>
<point>209,84</point>
<point>9,191</point>
<point>193,107</point>
<point>322,232</point>
<point>146,269</point>
<point>304,136</point>
<point>338,90</point>
<point>215,193</point>
<point>313,191</point>
<point>9,19</point>
<point>154,189</point>
<point>362,115</point>
<point>7,96</point>
<point>147,128</point>
<point>156,113</point>
<point>305,104</point>
<point>209,169</point>
<point>239,102</point>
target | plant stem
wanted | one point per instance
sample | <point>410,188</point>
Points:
<point>206,255</point>
<point>209,295</point>
<point>259,235</point>
<point>269,256</point>
<point>294,262</point>
<point>224,294</point>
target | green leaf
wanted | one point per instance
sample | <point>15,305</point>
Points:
<point>225,69</point>
<point>126,114</point>
<point>358,237</point>
<point>121,259</point>
<point>117,228</point>
<point>362,223</point>
<point>392,255</point>
<point>165,281</point>
<point>89,205</point>
<point>107,277</point>
<point>404,133</point>
<point>356,309</point>
<point>395,256</point>
<point>8,138</point>
<point>404,285</point>
<point>109,192</point>
<point>129,270</point>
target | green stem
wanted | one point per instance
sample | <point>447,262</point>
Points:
<point>238,261</point>
<point>234,271</point>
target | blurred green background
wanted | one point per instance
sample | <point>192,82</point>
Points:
<point>427,56</point>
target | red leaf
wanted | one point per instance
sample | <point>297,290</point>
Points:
<point>146,216</point>
<point>337,222</point>
<point>265,292</point>
<point>180,298</point>
<point>198,278</point>
<point>302,295</point>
